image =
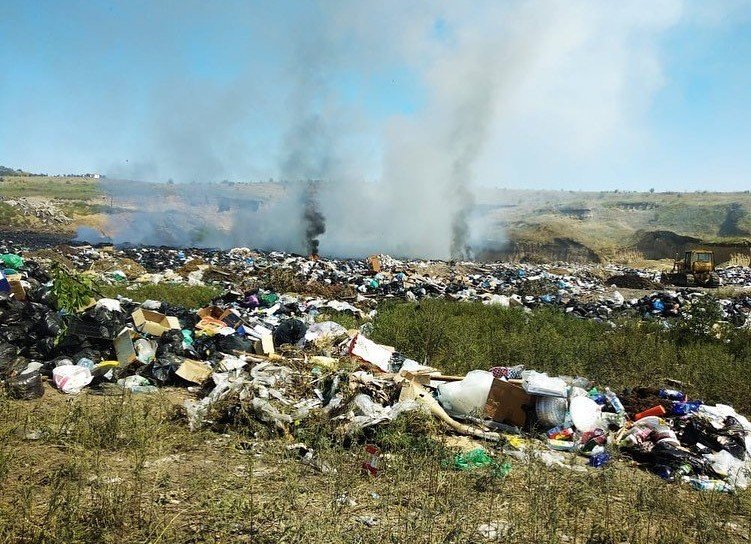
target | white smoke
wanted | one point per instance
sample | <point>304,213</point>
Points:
<point>505,87</point>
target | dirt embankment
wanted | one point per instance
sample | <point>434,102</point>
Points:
<point>556,249</point>
<point>663,244</point>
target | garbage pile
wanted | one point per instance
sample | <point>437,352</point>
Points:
<point>577,289</point>
<point>260,358</point>
<point>737,276</point>
<point>42,209</point>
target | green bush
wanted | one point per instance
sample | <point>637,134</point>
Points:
<point>459,337</point>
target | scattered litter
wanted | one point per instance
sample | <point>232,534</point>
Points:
<point>275,359</point>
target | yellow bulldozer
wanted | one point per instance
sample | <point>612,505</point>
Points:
<point>697,267</point>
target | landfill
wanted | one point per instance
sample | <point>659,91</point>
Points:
<point>262,355</point>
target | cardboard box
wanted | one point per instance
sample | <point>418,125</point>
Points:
<point>154,323</point>
<point>230,317</point>
<point>263,339</point>
<point>210,311</point>
<point>508,403</point>
<point>19,293</point>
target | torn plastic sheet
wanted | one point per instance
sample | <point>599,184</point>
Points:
<point>364,412</point>
<point>197,411</point>
<point>325,330</point>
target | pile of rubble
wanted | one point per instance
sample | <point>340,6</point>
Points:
<point>579,290</point>
<point>260,357</point>
<point>43,209</point>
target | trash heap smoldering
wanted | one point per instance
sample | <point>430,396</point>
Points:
<point>258,355</point>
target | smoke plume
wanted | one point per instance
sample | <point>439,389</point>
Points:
<point>315,224</point>
<point>490,85</point>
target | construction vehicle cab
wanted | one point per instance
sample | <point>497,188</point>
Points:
<point>697,267</point>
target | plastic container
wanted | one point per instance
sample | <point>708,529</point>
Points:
<point>86,363</point>
<point>559,433</point>
<point>672,394</point>
<point>658,410</point>
<point>551,411</point>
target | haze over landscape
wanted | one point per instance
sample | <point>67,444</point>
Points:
<point>406,114</point>
<point>430,271</point>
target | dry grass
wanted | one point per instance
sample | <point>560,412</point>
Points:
<point>123,469</point>
<point>738,259</point>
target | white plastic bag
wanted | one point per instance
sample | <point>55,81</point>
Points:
<point>71,378</point>
<point>467,396</point>
<point>536,383</point>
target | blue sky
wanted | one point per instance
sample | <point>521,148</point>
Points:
<point>652,97</point>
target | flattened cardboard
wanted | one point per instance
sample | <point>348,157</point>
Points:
<point>507,403</point>
<point>194,371</point>
<point>19,293</point>
<point>124,348</point>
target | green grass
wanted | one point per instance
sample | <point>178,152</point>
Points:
<point>73,207</point>
<point>189,296</point>
<point>89,469</point>
<point>9,216</point>
<point>458,337</point>
<point>50,187</point>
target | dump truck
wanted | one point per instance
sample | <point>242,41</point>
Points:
<point>697,267</point>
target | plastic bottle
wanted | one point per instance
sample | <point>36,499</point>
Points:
<point>710,485</point>
<point>672,394</point>
<point>614,401</point>
<point>373,465</point>
<point>684,408</point>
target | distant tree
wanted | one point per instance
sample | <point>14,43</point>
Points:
<point>170,181</point>
<point>652,190</point>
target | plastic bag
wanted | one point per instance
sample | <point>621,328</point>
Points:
<point>467,396</point>
<point>472,459</point>
<point>71,378</point>
<point>324,331</point>
<point>11,260</point>
<point>536,383</point>
<point>289,331</point>
<point>25,386</point>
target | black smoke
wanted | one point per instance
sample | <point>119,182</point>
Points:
<point>315,222</point>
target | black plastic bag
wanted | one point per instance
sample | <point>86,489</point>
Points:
<point>171,342</point>
<point>289,331</point>
<point>234,342</point>
<point>25,386</point>
<point>162,370</point>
